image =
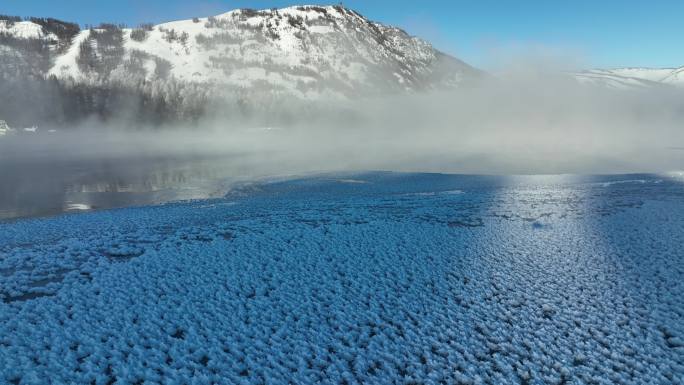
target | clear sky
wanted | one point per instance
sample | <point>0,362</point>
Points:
<point>599,33</point>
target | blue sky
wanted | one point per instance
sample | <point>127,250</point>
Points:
<point>601,33</point>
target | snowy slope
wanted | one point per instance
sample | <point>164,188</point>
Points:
<point>4,128</point>
<point>652,74</point>
<point>27,47</point>
<point>626,78</point>
<point>25,30</point>
<point>675,77</point>
<point>305,51</point>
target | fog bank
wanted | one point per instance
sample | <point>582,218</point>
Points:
<point>516,123</point>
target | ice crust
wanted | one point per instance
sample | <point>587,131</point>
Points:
<point>394,278</point>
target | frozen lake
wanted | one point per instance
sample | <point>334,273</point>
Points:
<point>372,278</point>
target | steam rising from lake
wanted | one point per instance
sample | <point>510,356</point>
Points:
<point>522,123</point>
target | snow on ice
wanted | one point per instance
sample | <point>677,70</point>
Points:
<point>391,278</point>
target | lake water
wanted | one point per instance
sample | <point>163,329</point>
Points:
<point>45,187</point>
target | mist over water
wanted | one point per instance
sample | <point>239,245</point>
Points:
<point>528,122</point>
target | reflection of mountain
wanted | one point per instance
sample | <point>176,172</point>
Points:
<point>249,58</point>
<point>49,187</point>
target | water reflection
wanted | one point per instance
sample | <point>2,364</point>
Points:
<point>48,187</point>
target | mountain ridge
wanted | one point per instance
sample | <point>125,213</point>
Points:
<point>633,77</point>
<point>305,51</point>
<point>243,62</point>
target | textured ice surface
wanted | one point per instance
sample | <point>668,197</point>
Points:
<point>423,279</point>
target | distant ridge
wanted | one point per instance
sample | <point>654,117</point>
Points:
<point>633,77</point>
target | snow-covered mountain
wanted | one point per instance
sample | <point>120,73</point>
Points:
<point>25,30</point>
<point>241,63</point>
<point>303,51</point>
<point>4,128</point>
<point>27,47</point>
<point>625,78</point>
